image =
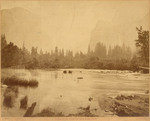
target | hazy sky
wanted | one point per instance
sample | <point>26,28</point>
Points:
<point>68,24</point>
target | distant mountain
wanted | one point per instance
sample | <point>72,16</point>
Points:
<point>19,24</point>
<point>113,33</point>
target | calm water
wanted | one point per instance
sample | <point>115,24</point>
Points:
<point>66,93</point>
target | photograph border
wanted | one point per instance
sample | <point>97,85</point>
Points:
<point>74,118</point>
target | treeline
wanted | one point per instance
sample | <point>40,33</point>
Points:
<point>118,57</point>
<point>58,58</point>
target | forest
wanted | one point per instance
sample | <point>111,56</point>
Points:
<point>115,58</point>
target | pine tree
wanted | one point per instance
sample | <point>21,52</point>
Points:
<point>143,44</point>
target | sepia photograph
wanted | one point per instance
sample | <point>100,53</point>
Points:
<point>78,58</point>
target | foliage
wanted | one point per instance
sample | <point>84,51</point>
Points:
<point>142,43</point>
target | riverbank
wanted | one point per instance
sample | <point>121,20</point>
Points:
<point>122,105</point>
<point>127,105</point>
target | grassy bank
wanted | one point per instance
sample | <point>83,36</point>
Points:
<point>15,81</point>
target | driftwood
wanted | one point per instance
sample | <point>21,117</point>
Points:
<point>30,110</point>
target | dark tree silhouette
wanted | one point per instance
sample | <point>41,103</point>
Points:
<point>142,43</point>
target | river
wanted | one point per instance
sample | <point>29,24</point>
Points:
<point>67,92</point>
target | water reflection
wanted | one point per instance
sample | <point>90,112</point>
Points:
<point>56,75</point>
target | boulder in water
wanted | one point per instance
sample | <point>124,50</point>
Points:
<point>64,71</point>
